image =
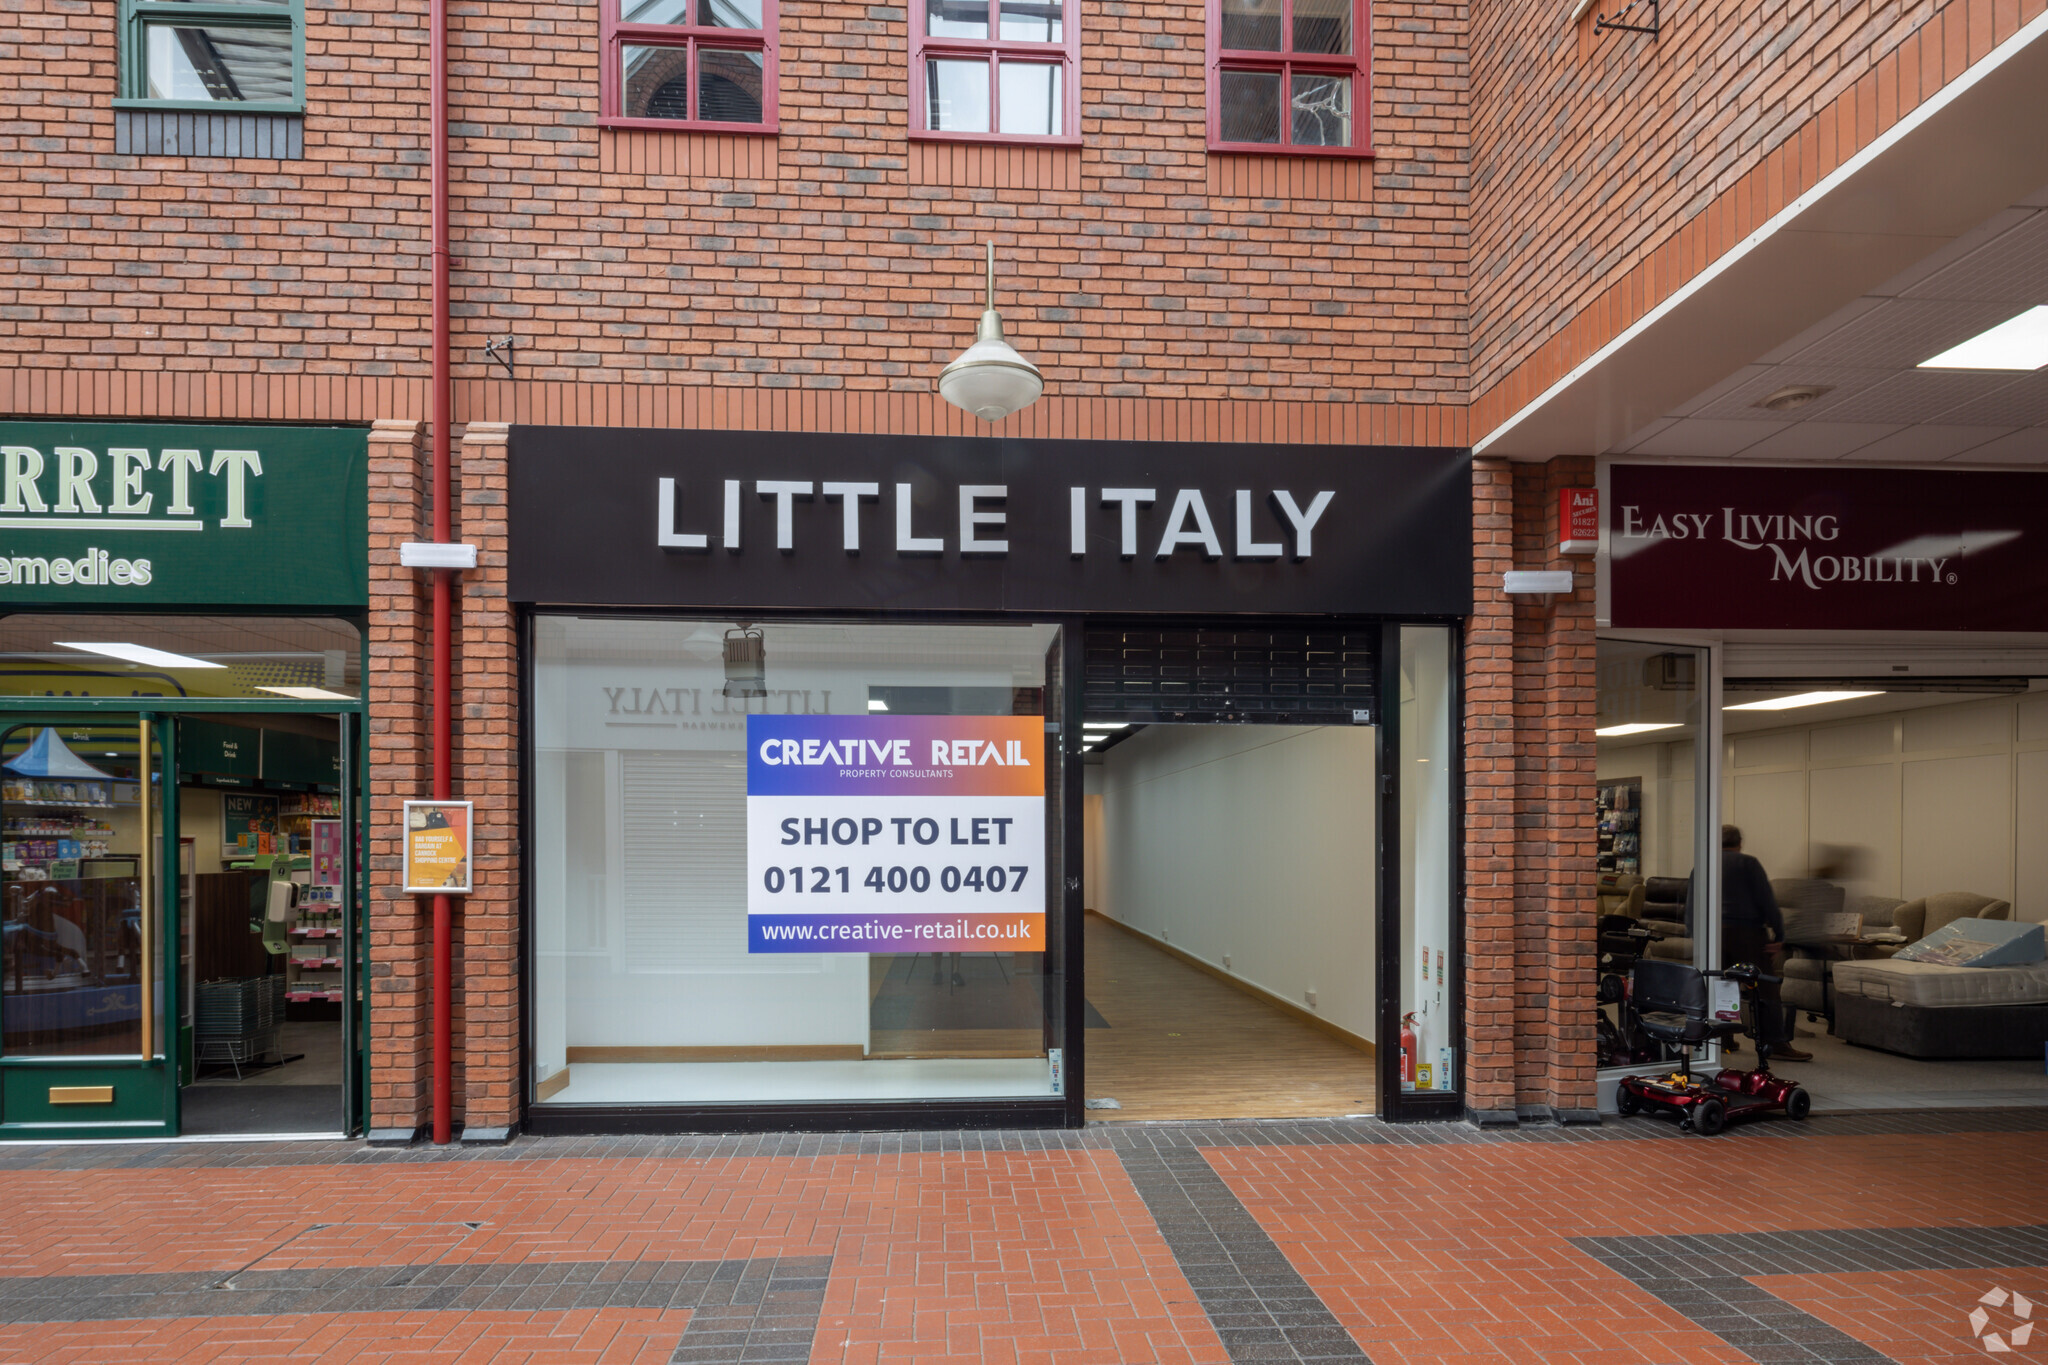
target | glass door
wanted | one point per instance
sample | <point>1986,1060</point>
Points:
<point>88,878</point>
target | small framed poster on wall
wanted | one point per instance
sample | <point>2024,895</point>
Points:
<point>437,838</point>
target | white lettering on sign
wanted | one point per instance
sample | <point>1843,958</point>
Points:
<point>73,488</point>
<point>93,569</point>
<point>1795,545</point>
<point>981,520</point>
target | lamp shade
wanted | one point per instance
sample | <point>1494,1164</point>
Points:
<point>990,379</point>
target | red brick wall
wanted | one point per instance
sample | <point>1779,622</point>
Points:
<point>400,926</point>
<point>834,261</point>
<point>1608,170</point>
<point>1529,754</point>
<point>487,773</point>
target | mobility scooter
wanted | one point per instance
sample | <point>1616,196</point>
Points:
<point>1685,1007</point>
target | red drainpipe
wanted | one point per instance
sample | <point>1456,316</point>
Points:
<point>444,418</point>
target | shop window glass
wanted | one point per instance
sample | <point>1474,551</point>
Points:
<point>1648,809</point>
<point>260,658</point>
<point>653,841</point>
<point>1429,946</point>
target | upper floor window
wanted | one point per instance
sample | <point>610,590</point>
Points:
<point>703,64</point>
<point>240,56</point>
<point>1289,75</point>
<point>995,70</point>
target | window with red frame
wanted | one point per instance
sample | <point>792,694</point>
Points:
<point>1289,75</point>
<point>995,70</point>
<point>706,64</point>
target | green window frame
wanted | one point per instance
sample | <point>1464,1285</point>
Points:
<point>269,17</point>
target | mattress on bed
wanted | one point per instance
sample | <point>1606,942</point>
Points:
<point>1931,985</point>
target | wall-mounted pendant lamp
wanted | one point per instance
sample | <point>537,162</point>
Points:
<point>990,379</point>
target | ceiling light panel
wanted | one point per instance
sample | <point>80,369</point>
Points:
<point>307,693</point>
<point>1798,700</point>
<point>2019,343</point>
<point>1636,728</point>
<point>136,654</point>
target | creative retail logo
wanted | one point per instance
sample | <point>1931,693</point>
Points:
<point>2015,1307</point>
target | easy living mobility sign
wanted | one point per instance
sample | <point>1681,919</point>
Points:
<point>895,834</point>
<point>1727,547</point>
<point>143,515</point>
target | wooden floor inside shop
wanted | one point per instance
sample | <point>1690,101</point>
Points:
<point>1182,1044</point>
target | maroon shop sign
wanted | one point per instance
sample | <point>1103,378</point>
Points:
<point>1720,547</point>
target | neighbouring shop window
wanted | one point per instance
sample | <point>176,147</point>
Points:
<point>995,67</point>
<point>1289,75</point>
<point>1648,808</point>
<point>260,658</point>
<point>708,794</point>
<point>246,57</point>
<point>74,892</point>
<point>707,64</point>
<point>1429,943</point>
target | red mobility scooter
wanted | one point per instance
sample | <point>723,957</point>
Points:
<point>1685,1007</point>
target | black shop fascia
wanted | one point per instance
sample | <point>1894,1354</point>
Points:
<point>1139,552</point>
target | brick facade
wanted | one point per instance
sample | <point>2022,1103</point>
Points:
<point>817,280</point>
<point>1610,169</point>
<point>1529,850</point>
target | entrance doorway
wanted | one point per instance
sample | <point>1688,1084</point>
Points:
<point>1231,875</point>
<point>179,877</point>
<point>1231,929</point>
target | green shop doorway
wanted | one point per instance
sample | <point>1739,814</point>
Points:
<point>180,887</point>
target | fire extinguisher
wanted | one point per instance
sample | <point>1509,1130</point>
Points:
<point>1408,1051</point>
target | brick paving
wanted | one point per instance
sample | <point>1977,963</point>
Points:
<point>1860,1237</point>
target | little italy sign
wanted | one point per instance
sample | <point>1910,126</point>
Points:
<point>1845,549</point>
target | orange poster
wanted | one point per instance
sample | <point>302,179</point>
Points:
<point>437,847</point>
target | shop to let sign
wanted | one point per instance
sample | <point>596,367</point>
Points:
<point>880,834</point>
<point>437,845</point>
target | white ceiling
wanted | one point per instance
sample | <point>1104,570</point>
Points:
<point>1933,233</point>
<point>1879,406</point>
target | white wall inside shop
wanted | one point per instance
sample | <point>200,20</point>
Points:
<point>1940,798</point>
<point>1668,800</point>
<point>1251,843</point>
<point>1949,797</point>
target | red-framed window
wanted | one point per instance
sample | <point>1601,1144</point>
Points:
<point>996,70</point>
<point>1290,76</point>
<point>707,65</point>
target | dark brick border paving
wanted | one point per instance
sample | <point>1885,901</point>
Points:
<point>742,1312</point>
<point>1258,1303</point>
<point>1102,1137</point>
<point>1708,1278</point>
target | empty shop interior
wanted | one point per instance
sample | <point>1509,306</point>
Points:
<point>1896,816</point>
<point>1225,869</point>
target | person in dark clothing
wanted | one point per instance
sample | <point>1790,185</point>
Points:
<point>1752,927</point>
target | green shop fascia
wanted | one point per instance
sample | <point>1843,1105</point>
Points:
<point>153,516</point>
<point>225,524</point>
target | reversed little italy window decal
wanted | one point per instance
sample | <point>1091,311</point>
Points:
<point>2016,1309</point>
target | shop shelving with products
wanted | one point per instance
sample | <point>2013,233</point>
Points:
<point>52,824</point>
<point>1618,808</point>
<point>318,945</point>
